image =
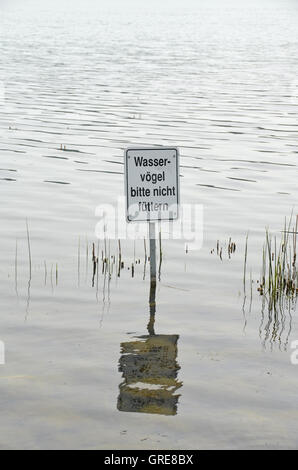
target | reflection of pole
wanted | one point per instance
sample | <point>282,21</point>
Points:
<point>152,301</point>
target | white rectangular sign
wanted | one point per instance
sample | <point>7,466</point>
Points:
<point>151,183</point>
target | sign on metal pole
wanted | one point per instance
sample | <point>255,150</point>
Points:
<point>152,184</point>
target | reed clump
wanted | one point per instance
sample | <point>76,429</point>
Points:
<point>279,276</point>
<point>229,246</point>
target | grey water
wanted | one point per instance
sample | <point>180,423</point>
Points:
<point>79,82</point>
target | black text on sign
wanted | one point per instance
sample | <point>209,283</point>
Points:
<point>151,184</point>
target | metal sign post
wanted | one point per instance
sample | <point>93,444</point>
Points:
<point>152,295</point>
<point>152,194</point>
<point>152,234</point>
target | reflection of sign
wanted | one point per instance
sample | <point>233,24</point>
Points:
<point>151,184</point>
<point>149,368</point>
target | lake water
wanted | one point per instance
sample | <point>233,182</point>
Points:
<point>79,83</point>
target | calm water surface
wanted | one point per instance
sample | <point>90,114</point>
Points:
<point>78,85</point>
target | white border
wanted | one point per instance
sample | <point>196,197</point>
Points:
<point>126,181</point>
